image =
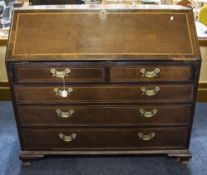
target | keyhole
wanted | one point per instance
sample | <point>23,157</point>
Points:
<point>171,18</point>
<point>103,14</point>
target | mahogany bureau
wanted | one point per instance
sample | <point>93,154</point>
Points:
<point>103,80</point>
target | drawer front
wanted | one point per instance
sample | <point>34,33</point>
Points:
<point>102,94</point>
<point>151,73</point>
<point>103,115</point>
<point>56,74</point>
<point>97,138</point>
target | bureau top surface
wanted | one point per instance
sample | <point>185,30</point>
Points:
<point>102,32</point>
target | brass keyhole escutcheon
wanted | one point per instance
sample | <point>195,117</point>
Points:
<point>103,14</point>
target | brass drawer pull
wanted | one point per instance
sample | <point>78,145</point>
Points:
<point>150,73</point>
<point>63,93</point>
<point>148,114</point>
<point>65,114</point>
<point>60,74</point>
<point>146,137</point>
<point>150,92</point>
<point>67,138</point>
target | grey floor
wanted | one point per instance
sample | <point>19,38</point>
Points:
<point>125,165</point>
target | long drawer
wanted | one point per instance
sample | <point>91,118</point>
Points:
<point>103,94</point>
<point>136,115</point>
<point>98,138</point>
<point>151,73</point>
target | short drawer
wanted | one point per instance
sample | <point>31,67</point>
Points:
<point>139,115</point>
<point>106,139</point>
<point>56,74</point>
<point>105,93</point>
<point>143,73</point>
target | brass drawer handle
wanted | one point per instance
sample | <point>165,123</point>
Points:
<point>146,137</point>
<point>148,114</point>
<point>66,138</point>
<point>63,93</point>
<point>60,74</point>
<point>150,73</point>
<point>65,114</point>
<point>150,92</point>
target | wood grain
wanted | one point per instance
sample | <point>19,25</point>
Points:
<point>104,94</point>
<point>78,39</point>
<point>104,115</point>
<point>107,90</point>
<point>106,139</point>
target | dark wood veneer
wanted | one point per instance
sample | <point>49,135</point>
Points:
<point>87,115</point>
<point>77,74</point>
<point>167,73</point>
<point>105,63</point>
<point>97,138</point>
<point>107,94</point>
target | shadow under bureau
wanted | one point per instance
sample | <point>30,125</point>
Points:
<point>103,80</point>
